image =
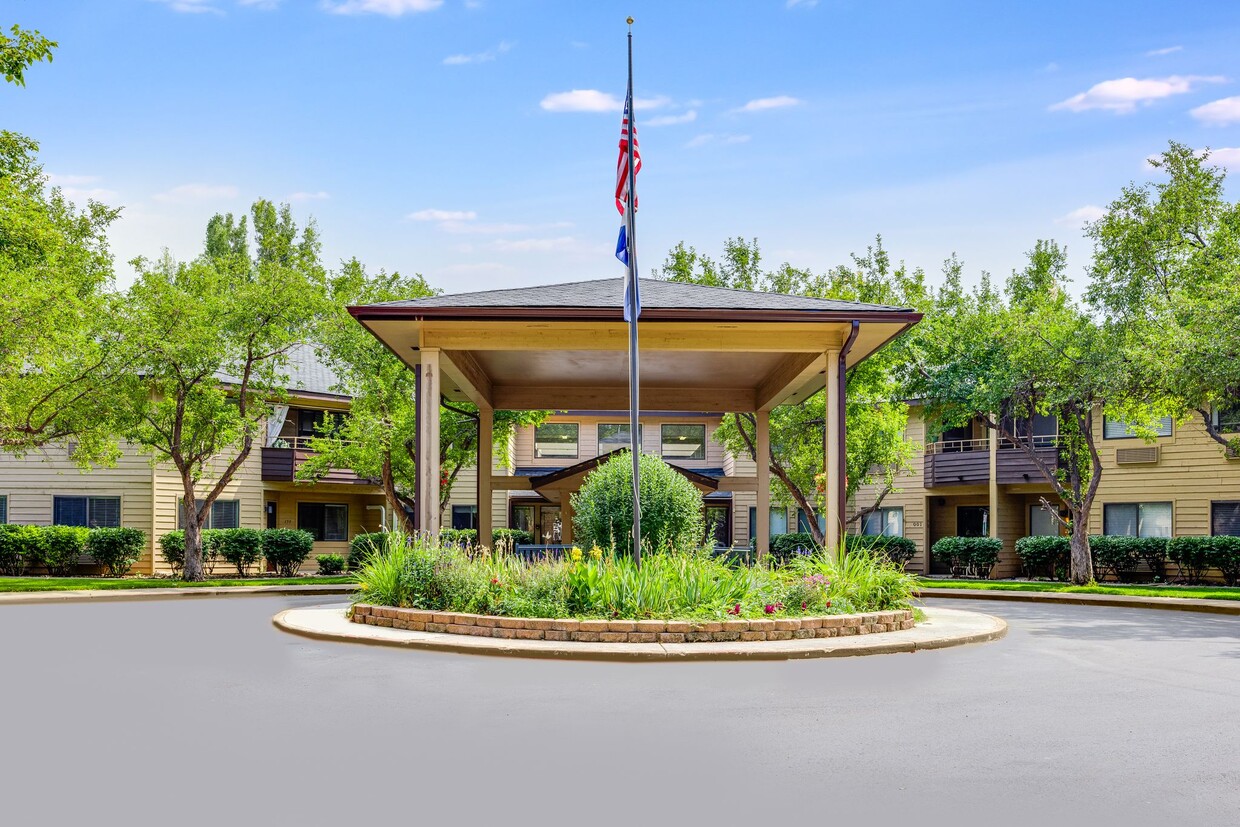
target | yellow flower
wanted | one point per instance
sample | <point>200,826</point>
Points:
<point>596,553</point>
<point>575,554</point>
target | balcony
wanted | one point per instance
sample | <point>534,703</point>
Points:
<point>967,462</point>
<point>281,464</point>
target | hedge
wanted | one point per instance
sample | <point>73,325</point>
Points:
<point>1122,557</point>
<point>968,556</point>
<point>172,550</point>
<point>286,549</point>
<point>20,546</point>
<point>63,546</point>
<point>784,547</point>
<point>362,546</point>
<point>896,549</point>
<point>116,549</point>
<point>330,564</point>
<point>1194,555</point>
<point>509,537</point>
<point>243,547</point>
<point>1045,556</point>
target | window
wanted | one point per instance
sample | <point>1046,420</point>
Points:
<point>1227,418</point>
<point>1225,518</point>
<point>888,521</point>
<point>91,512</point>
<point>614,437</point>
<point>326,521</point>
<point>803,522</point>
<point>1137,519</point>
<point>1119,429</point>
<point>312,423</point>
<point>718,524</point>
<point>522,518</point>
<point>779,521</point>
<point>555,440</point>
<point>1042,523</point>
<point>4,509</point>
<point>684,441</point>
<point>224,514</point>
<point>464,516</point>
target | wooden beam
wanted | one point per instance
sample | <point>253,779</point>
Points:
<point>762,514</point>
<point>833,461</point>
<point>738,484</point>
<point>428,442</point>
<point>486,421</point>
<point>461,367</point>
<point>502,482</point>
<point>789,376</point>
<point>534,398</point>
<point>752,337</point>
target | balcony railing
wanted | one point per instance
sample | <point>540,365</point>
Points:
<point>967,461</point>
<point>282,462</point>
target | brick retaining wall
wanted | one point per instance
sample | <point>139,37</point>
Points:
<point>631,631</point>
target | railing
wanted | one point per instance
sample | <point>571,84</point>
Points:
<point>957,446</point>
<point>1043,441</point>
<point>300,443</point>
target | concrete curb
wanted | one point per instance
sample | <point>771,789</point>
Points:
<point>108,595</point>
<point>944,628</point>
<point>1175,604</point>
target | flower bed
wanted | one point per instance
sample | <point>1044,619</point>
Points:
<point>631,631</point>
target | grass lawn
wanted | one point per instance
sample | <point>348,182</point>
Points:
<point>1209,592</point>
<point>49,584</point>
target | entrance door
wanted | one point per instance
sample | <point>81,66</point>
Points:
<point>972,521</point>
<point>549,528</point>
<point>271,523</point>
<point>719,525</point>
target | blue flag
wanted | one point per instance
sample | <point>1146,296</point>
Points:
<point>632,295</point>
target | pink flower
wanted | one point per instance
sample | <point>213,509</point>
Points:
<point>769,609</point>
<point>735,610</point>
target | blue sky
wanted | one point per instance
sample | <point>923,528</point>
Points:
<point>474,141</point>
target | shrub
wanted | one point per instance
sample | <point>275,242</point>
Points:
<point>330,563</point>
<point>1191,556</point>
<point>243,547</point>
<point>467,537</point>
<point>362,546</point>
<point>1122,556</point>
<point>968,556</point>
<point>860,580</point>
<point>1045,556</point>
<point>286,549</point>
<point>116,549</point>
<point>1224,555</point>
<point>896,549</point>
<point>210,549</point>
<point>172,550</point>
<point>786,546</point>
<point>671,506</point>
<point>510,538</point>
<point>63,545</point>
<point>20,546</point>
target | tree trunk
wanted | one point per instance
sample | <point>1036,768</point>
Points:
<point>393,497</point>
<point>193,544</point>
<point>1082,563</point>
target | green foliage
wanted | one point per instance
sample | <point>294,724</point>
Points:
<point>671,507</point>
<point>467,537</point>
<point>786,546</point>
<point>20,546</point>
<point>172,550</point>
<point>968,556</point>
<point>21,51</point>
<point>62,546</point>
<point>362,546</point>
<point>1224,555</point>
<point>330,564</point>
<point>1121,557</point>
<point>286,549</point>
<point>860,580</point>
<point>896,549</point>
<point>510,538</point>
<point>116,549</point>
<point>1191,556</point>
<point>1045,556</point>
<point>242,547</point>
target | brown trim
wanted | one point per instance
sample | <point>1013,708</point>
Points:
<point>595,462</point>
<point>616,314</point>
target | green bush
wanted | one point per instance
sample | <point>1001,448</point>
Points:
<point>1122,557</point>
<point>243,547</point>
<point>286,549</point>
<point>1045,556</point>
<point>330,563</point>
<point>20,546</point>
<point>786,546</point>
<point>172,550</point>
<point>210,549</point>
<point>63,545</point>
<point>362,546</point>
<point>671,507</point>
<point>116,549</point>
<point>968,556</point>
<point>467,537</point>
<point>510,538</point>
<point>1191,556</point>
<point>1224,555</point>
<point>896,549</point>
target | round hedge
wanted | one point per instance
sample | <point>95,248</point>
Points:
<point>671,506</point>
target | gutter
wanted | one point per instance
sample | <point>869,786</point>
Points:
<point>596,314</point>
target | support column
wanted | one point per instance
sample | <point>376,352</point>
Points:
<point>992,512</point>
<point>566,518</point>
<point>832,456</point>
<point>486,467</point>
<point>428,440</point>
<point>762,514</point>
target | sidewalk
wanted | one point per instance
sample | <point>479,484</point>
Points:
<point>97,595</point>
<point>1177,604</point>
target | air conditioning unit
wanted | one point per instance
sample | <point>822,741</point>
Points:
<point>1136,456</point>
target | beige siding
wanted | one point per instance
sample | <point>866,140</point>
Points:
<point>909,494</point>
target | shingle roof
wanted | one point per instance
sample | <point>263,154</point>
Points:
<point>655,293</point>
<point>307,373</point>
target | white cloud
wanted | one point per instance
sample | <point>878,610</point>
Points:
<point>388,8</point>
<point>1219,112</point>
<point>1125,94</point>
<point>711,138</point>
<point>70,180</point>
<point>191,6</point>
<point>196,192</point>
<point>763,104</point>
<point>805,4</point>
<point>478,57</point>
<point>535,245</point>
<point>1226,156</point>
<point>1082,215</point>
<point>592,100</point>
<point>442,215</point>
<point>1165,51</point>
<point>671,120</point>
<point>307,196</point>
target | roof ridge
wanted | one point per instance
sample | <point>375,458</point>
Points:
<point>764,292</point>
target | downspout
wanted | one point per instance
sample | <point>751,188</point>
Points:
<point>843,409</point>
<point>417,449</point>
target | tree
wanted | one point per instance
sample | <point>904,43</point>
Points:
<point>377,439</point>
<point>21,51</point>
<point>876,450</point>
<point>1166,272</point>
<point>1001,359</point>
<point>212,338</point>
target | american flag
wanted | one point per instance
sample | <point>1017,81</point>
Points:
<point>622,165</point>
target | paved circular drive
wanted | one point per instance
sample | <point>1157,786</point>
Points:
<point>202,712</point>
<point>940,629</point>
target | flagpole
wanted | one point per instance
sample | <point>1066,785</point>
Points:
<point>632,301</point>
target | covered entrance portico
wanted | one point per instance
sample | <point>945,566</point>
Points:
<point>561,347</point>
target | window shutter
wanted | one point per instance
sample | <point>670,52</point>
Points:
<point>226,514</point>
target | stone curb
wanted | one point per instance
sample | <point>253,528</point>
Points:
<point>108,595</point>
<point>1175,604</point>
<point>971,627</point>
